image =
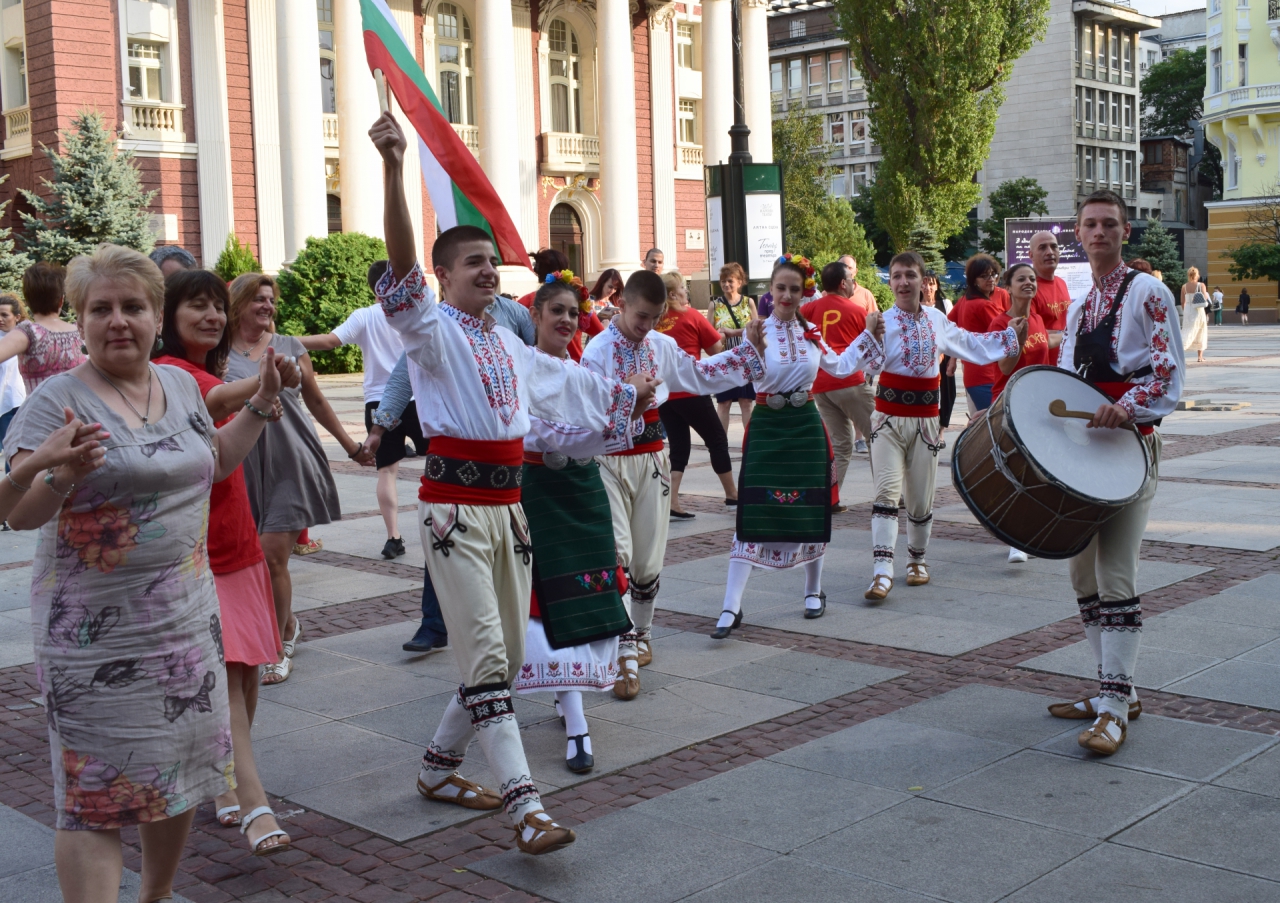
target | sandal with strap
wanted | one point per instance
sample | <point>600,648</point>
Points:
<point>310,547</point>
<point>280,671</point>
<point>228,816</point>
<point>543,834</point>
<point>627,686</point>
<point>479,798</point>
<point>1072,710</point>
<point>721,632</point>
<point>1105,736</point>
<point>258,848</point>
<point>291,645</point>
<point>644,651</point>
<point>879,588</point>
<point>917,573</point>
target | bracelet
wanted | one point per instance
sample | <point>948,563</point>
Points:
<point>355,454</point>
<point>265,415</point>
<point>48,481</point>
<point>15,484</point>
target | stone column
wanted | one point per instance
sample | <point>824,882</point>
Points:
<point>662,105</point>
<point>266,133</point>
<point>359,166</point>
<point>301,129</point>
<point>213,164</point>
<point>496,100</point>
<point>619,179</point>
<point>717,81</point>
<point>755,79</point>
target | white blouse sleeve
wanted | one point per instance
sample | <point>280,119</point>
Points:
<point>977,347</point>
<point>564,392</point>
<point>718,373</point>
<point>574,441</point>
<point>858,356</point>
<point>411,309</point>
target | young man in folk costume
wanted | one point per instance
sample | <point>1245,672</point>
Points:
<point>476,389</point>
<point>1122,337</point>
<point>905,436</point>
<point>638,480</point>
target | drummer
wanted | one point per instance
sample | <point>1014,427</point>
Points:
<point>1021,281</point>
<point>1122,337</point>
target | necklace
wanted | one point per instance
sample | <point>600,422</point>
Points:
<point>248,351</point>
<point>145,418</point>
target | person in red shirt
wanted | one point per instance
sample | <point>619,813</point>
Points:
<point>982,300</point>
<point>195,338</point>
<point>545,263</point>
<point>1052,298</point>
<point>682,411</point>
<point>844,404</point>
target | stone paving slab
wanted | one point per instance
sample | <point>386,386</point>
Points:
<point>1238,463</point>
<point>1239,681</point>
<point>18,545</point>
<point>989,713</point>
<point>1204,514</point>
<point>804,678</point>
<point>789,878</point>
<point>15,638</point>
<point>1213,423</point>
<point>364,537</point>
<point>316,585</point>
<point>693,710</point>
<point>1157,668</point>
<point>324,754</point>
<point>1260,774</point>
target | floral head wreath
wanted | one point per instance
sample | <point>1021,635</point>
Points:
<point>810,284</point>
<point>567,277</point>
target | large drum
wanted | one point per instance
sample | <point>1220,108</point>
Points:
<point>1044,483</point>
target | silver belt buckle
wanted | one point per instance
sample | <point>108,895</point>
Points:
<point>799,398</point>
<point>582,462</point>
<point>776,402</point>
<point>555,460</point>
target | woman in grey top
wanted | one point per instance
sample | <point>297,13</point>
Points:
<point>287,474</point>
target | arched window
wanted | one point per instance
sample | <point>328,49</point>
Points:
<point>566,234</point>
<point>565,78</point>
<point>457,77</point>
<point>328,95</point>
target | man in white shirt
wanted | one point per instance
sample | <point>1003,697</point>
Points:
<point>380,348</point>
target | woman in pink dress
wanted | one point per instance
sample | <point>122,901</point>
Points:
<point>46,344</point>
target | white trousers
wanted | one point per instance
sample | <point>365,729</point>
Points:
<point>904,461</point>
<point>639,490</point>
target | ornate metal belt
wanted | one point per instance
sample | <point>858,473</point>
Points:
<point>924,398</point>
<point>475,474</point>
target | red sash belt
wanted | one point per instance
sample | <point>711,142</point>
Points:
<point>651,440</point>
<point>1116,391</point>
<point>908,396</point>
<point>473,471</point>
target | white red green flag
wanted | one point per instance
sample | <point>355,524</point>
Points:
<point>460,191</point>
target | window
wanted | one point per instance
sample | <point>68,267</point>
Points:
<point>1115,109</point>
<point>835,129</point>
<point>1115,167</point>
<point>457,78</point>
<point>835,72</point>
<point>146,75</point>
<point>687,119</point>
<point>775,81</point>
<point>816,79</point>
<point>566,89</point>
<point>1215,70</point>
<point>1086,48</point>
<point>1079,106</point>
<point>328,92</point>
<point>1128,60</point>
<point>1128,111</point>
<point>858,132</point>
<point>17,86</point>
<point>1215,7</point>
<point>1088,106</point>
<point>862,177</point>
<point>1088,164</point>
<point>1244,64</point>
<point>838,182</point>
<point>1102,167</point>
<point>1102,109</point>
<point>795,77</point>
<point>1233,165</point>
<point>684,45</point>
<point>797,28</point>
<point>1115,52</point>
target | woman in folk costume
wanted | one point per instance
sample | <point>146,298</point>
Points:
<point>576,614</point>
<point>786,487</point>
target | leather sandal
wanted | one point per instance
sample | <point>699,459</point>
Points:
<point>1071,710</point>
<point>277,672</point>
<point>879,588</point>
<point>1105,736</point>
<point>258,848</point>
<point>627,686</point>
<point>545,837</point>
<point>721,632</point>
<point>480,798</point>
<point>644,651</point>
<point>811,613</point>
<point>917,573</point>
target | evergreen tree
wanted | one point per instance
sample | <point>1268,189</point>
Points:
<point>96,196</point>
<point>1158,249</point>
<point>924,241</point>
<point>1015,199</point>
<point>235,260</point>
<point>12,263</point>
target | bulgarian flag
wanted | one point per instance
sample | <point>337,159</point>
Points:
<point>460,191</point>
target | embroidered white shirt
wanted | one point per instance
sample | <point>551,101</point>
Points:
<point>473,384</point>
<point>792,361</point>
<point>552,436</point>
<point>912,343</point>
<point>613,355</point>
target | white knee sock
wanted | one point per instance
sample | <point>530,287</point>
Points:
<point>735,584</point>
<point>1121,629</point>
<point>494,721</point>
<point>813,583</point>
<point>884,538</point>
<point>448,747</point>
<point>575,722</point>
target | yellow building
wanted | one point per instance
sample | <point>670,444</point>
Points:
<point>1242,118</point>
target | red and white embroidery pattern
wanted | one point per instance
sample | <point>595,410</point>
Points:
<point>919,344</point>
<point>493,363</point>
<point>773,556</point>
<point>744,361</point>
<point>788,340</point>
<point>409,294</point>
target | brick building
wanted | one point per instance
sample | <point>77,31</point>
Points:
<point>592,119</point>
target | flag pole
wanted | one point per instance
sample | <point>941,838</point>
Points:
<point>380,80</point>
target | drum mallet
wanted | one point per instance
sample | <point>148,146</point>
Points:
<point>1058,408</point>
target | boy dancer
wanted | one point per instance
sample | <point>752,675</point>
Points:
<point>477,389</point>
<point>638,481</point>
<point>1122,337</point>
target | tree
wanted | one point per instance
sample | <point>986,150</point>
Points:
<point>1258,255</point>
<point>1173,91</point>
<point>864,211</point>
<point>96,196</point>
<point>1015,199</point>
<point>924,241</point>
<point>935,71</point>
<point>322,287</point>
<point>1159,249</point>
<point>236,259</point>
<point>12,263</point>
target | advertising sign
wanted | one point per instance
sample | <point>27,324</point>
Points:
<point>1073,265</point>
<point>764,234</point>
<point>715,235</point>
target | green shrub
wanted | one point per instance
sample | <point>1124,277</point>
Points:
<point>235,260</point>
<point>321,288</point>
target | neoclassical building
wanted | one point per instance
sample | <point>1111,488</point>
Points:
<point>592,118</point>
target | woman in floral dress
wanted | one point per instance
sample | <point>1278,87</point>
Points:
<point>127,635</point>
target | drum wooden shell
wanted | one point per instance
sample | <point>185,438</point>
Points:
<point>1042,516</point>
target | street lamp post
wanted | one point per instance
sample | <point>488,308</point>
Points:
<point>739,152</point>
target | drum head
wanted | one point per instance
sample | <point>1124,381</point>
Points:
<point>1107,465</point>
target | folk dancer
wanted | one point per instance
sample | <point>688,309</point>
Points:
<point>476,390</point>
<point>787,485</point>
<point>638,480</point>
<point>905,436</point>
<point>1122,337</point>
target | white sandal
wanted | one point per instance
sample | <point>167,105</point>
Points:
<point>228,810</point>
<point>291,644</point>
<point>280,670</point>
<point>258,849</point>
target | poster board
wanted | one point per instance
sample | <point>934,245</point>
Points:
<point>1073,265</point>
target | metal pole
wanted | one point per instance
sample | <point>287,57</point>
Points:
<point>739,151</point>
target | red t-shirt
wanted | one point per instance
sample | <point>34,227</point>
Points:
<point>233,537</point>
<point>691,331</point>
<point>975,315</point>
<point>1035,350</point>
<point>841,320</point>
<point>1051,302</point>
<point>527,300</point>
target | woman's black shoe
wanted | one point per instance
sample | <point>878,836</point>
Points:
<point>731,503</point>
<point>721,632</point>
<point>811,613</point>
<point>682,515</point>
<point>582,761</point>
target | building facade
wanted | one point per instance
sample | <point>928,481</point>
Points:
<point>1242,117</point>
<point>249,117</point>
<point>1177,31</point>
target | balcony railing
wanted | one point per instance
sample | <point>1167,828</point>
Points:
<point>568,152</point>
<point>154,121</point>
<point>17,140</point>
<point>470,135</point>
<point>1273,9</point>
<point>329,123</point>
<point>691,157</point>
